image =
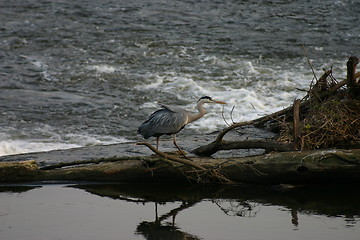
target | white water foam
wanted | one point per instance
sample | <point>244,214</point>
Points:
<point>11,146</point>
<point>103,68</point>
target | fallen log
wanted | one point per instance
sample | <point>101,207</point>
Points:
<point>317,166</point>
<point>213,147</point>
<point>23,171</point>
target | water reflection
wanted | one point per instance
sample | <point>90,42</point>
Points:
<point>159,229</point>
<point>16,188</point>
<point>238,201</point>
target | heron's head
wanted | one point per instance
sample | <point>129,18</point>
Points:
<point>207,99</point>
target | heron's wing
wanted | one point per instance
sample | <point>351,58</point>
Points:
<point>174,108</point>
<point>164,121</point>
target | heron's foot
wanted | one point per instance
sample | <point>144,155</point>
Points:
<point>177,152</point>
<point>181,152</point>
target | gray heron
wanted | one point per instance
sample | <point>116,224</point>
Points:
<point>171,120</point>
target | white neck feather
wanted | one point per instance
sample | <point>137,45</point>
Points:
<point>201,112</point>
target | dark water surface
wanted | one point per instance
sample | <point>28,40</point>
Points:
<point>87,72</point>
<point>120,211</point>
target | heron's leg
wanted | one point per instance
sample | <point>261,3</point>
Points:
<point>156,212</point>
<point>157,143</point>
<point>181,151</point>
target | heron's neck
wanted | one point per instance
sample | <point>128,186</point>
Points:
<point>201,112</point>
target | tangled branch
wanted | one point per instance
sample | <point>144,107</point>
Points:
<point>202,174</point>
<point>327,116</point>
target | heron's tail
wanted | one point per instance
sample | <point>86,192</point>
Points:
<point>144,130</point>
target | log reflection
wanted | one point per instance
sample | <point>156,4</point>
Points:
<point>233,200</point>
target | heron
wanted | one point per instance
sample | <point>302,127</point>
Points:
<point>171,120</point>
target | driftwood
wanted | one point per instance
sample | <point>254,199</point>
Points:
<point>339,166</point>
<point>211,148</point>
<point>220,144</point>
<point>318,93</point>
<point>203,174</point>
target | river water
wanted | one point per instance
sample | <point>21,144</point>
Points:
<point>120,211</point>
<point>86,72</point>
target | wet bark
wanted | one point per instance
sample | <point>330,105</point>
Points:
<point>296,125</point>
<point>210,149</point>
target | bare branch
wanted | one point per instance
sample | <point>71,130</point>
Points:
<point>308,60</point>
<point>222,114</point>
<point>201,171</point>
<point>231,114</point>
<point>173,158</point>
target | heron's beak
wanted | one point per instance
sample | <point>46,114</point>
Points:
<point>220,102</point>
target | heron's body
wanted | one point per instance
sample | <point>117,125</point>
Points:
<point>170,120</point>
<point>164,121</point>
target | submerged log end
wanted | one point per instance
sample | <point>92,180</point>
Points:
<point>17,171</point>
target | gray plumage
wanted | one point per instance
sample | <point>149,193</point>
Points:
<point>170,120</point>
<point>163,121</point>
